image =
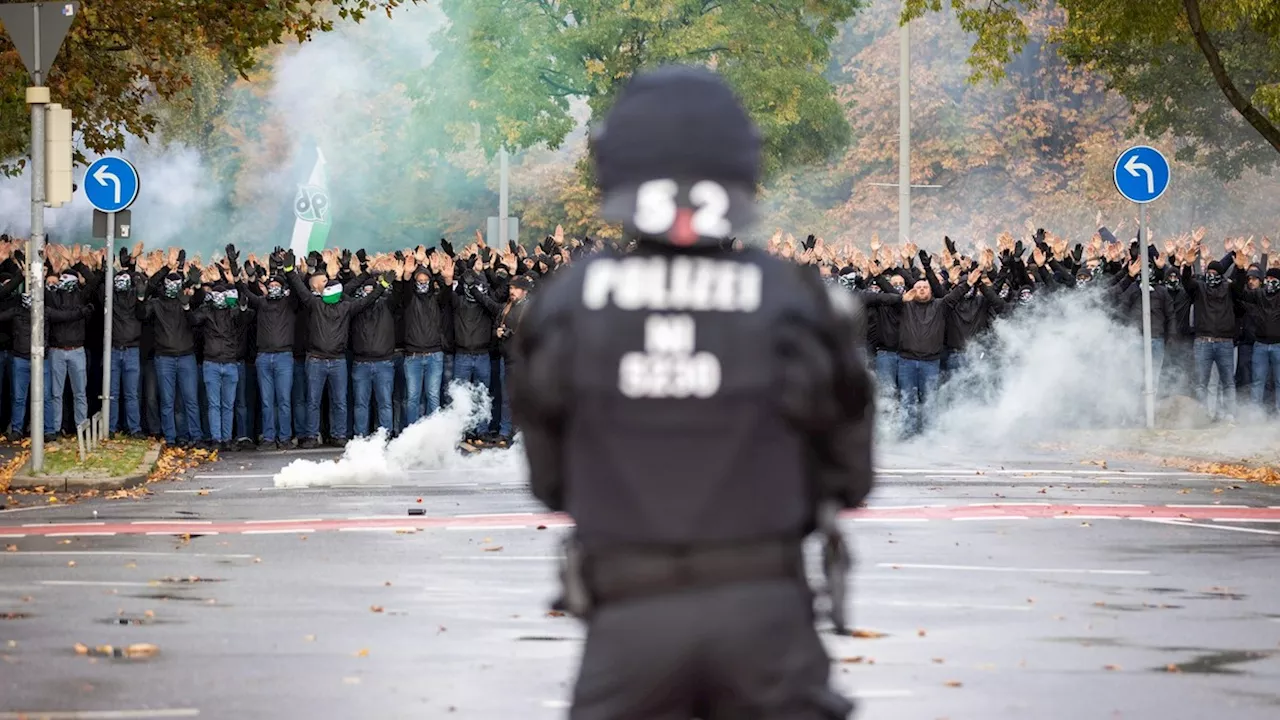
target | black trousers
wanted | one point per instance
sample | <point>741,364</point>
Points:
<point>747,651</point>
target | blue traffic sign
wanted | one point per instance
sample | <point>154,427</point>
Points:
<point>111,184</point>
<point>1141,174</point>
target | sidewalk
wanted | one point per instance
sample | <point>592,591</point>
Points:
<point>1248,452</point>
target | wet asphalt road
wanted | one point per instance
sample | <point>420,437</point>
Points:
<point>1000,615</point>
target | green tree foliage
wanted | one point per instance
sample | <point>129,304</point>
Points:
<point>1207,73</point>
<point>121,55</point>
<point>524,60</point>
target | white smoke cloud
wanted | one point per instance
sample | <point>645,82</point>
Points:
<point>429,444</point>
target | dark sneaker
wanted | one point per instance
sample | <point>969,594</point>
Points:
<point>339,442</point>
<point>244,444</point>
<point>308,444</point>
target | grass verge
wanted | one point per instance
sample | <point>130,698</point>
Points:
<point>113,458</point>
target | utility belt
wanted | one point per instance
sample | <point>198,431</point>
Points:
<point>617,576</point>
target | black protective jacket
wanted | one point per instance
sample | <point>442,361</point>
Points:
<point>20,319</point>
<point>474,308</point>
<point>1163,314</point>
<point>1264,310</point>
<point>126,326</point>
<point>1213,308</point>
<point>329,326</point>
<point>923,324</point>
<point>170,320</point>
<point>768,411</point>
<point>224,331</point>
<point>275,321</point>
<point>71,333</point>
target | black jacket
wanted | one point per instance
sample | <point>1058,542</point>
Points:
<point>373,334</point>
<point>1213,309</point>
<point>473,311</point>
<point>170,322</point>
<point>1264,310</point>
<point>276,321</point>
<point>223,330</point>
<point>1163,314</point>
<point>424,315</point>
<point>923,324</point>
<point>126,326</point>
<point>71,333</point>
<point>329,326</point>
<point>510,319</point>
<point>20,319</point>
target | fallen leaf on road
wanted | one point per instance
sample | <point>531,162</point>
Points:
<point>71,563</point>
<point>203,492</point>
<point>1085,524</point>
<point>1031,600</point>
<point>920,633</point>
<point>939,661</point>
<point>1043,491</point>
<point>82,649</point>
<point>953,683</point>
<point>350,681</point>
<point>1172,668</point>
<point>11,548</point>
<point>363,653</point>
<point>1099,604</point>
<point>53,499</point>
<point>555,613</point>
<point>375,608</point>
<point>495,548</point>
<point>419,499</point>
<point>387,584</point>
<point>487,540</point>
<point>309,638</point>
<point>1110,667</point>
<point>866,634</point>
<point>1184,491</point>
<point>257,560</point>
<point>64,542</point>
<point>542,527</point>
<point>141,650</point>
<point>1217,491</point>
<point>855,660</point>
<point>131,565</point>
<point>149,613</point>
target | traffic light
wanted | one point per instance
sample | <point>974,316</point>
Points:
<point>57,156</point>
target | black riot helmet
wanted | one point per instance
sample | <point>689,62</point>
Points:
<point>677,158</point>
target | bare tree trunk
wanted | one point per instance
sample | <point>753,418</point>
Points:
<point>1251,114</point>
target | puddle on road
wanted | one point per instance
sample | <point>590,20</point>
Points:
<point>1217,663</point>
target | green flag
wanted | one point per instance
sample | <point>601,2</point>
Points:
<point>311,207</point>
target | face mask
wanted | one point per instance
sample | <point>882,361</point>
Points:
<point>1095,271</point>
<point>1174,284</point>
<point>1213,281</point>
<point>364,291</point>
<point>275,292</point>
<point>900,289</point>
<point>172,288</point>
<point>124,283</point>
<point>231,299</point>
<point>1024,296</point>
<point>1004,292</point>
<point>215,299</point>
<point>422,288</point>
<point>1271,286</point>
<point>332,294</point>
<point>874,288</point>
<point>26,300</point>
<point>1084,279</point>
<point>68,283</point>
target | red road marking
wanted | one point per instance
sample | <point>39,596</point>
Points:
<point>958,512</point>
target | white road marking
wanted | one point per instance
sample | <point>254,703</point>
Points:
<point>488,556</point>
<point>1014,504</point>
<point>171,522</point>
<point>13,535</point>
<point>1087,517</point>
<point>997,568</point>
<point>962,472</point>
<point>101,714</point>
<point>1211,527</point>
<point>488,527</point>
<point>1208,506</point>
<point>881,694</point>
<point>283,520</point>
<point>378,529</point>
<point>1245,520</point>
<point>1108,505</point>
<point>195,492</point>
<point>96,583</point>
<point>80,534</point>
<point>495,515</point>
<point>278,532</point>
<point>65,524</point>
<point>991,517</point>
<point>940,605</point>
<point>887,520</point>
<point>902,507</point>
<point>32,507</point>
<point>127,553</point>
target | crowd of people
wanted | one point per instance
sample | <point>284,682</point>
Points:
<point>281,351</point>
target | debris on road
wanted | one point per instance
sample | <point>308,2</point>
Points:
<point>867,634</point>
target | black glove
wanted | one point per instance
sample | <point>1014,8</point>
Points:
<point>430,251</point>
<point>514,247</point>
<point>124,257</point>
<point>345,260</point>
<point>950,245</point>
<point>1039,235</point>
<point>1018,249</point>
<point>182,258</point>
<point>446,247</point>
<point>485,254</point>
<point>87,309</point>
<point>924,258</point>
<point>233,258</point>
<point>400,256</point>
<point>289,260</point>
<point>809,242</point>
<point>315,260</point>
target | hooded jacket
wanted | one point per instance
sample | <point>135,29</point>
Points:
<point>223,329</point>
<point>473,311</point>
<point>170,319</point>
<point>328,326</point>
<point>1164,323</point>
<point>923,324</point>
<point>276,321</point>
<point>373,334</point>
<point>424,315</point>
<point>70,333</point>
<point>1213,308</point>
<point>1264,309</point>
<point>126,326</point>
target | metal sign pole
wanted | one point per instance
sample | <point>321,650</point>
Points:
<point>110,287</point>
<point>37,97</point>
<point>1149,392</point>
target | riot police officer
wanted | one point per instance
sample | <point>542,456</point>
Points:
<point>691,407</point>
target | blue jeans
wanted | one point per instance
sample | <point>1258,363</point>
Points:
<point>275,387</point>
<point>22,391</point>
<point>178,374</point>
<point>126,374</point>
<point>1222,355</point>
<point>471,368</point>
<point>64,365</point>
<point>504,425</point>
<point>423,375</point>
<point>243,428</point>
<point>918,384</point>
<point>1266,365</point>
<point>398,394</point>
<point>377,377</point>
<point>887,370</point>
<point>300,399</point>
<point>335,373</point>
<point>220,381</point>
<point>446,378</point>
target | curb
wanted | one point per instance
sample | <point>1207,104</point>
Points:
<point>23,480</point>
